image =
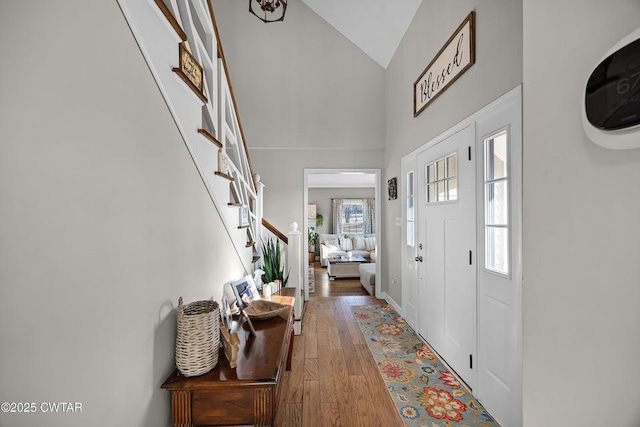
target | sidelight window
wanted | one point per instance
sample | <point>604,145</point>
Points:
<point>410,210</point>
<point>496,203</point>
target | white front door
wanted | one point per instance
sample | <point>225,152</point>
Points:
<point>499,149</point>
<point>446,189</point>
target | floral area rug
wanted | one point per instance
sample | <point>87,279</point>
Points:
<point>423,389</point>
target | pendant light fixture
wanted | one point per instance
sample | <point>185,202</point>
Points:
<point>270,10</point>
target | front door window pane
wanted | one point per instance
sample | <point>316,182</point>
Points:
<point>442,192</point>
<point>452,166</point>
<point>441,179</point>
<point>441,170</point>
<point>453,188</point>
<point>431,173</point>
<point>431,193</point>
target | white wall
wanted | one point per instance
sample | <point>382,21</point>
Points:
<point>581,228</point>
<point>300,83</point>
<point>307,96</point>
<point>498,69</point>
<point>104,220</point>
<point>282,171</point>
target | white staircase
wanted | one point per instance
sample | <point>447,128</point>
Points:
<point>206,117</point>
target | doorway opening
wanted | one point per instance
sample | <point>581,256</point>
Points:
<point>359,191</point>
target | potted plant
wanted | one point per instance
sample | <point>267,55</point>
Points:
<point>272,262</point>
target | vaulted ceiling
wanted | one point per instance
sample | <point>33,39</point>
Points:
<point>375,26</point>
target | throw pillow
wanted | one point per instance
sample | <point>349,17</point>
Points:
<point>358,243</point>
<point>370,243</point>
<point>346,244</point>
<point>332,244</point>
<point>324,237</point>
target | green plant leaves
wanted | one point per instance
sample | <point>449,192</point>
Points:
<point>273,264</point>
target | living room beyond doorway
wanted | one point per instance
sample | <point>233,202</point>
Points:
<point>358,192</point>
<point>325,288</point>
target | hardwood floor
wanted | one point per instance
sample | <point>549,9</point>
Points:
<point>334,380</point>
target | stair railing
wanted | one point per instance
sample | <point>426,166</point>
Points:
<point>180,42</point>
<point>208,122</point>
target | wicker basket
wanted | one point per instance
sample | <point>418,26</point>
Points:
<point>198,337</point>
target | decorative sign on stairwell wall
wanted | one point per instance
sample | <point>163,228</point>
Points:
<point>190,71</point>
<point>455,57</point>
<point>190,67</point>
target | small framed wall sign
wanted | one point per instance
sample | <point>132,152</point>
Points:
<point>223,162</point>
<point>244,215</point>
<point>190,67</point>
<point>455,57</point>
<point>190,71</point>
<point>393,188</point>
<point>312,211</point>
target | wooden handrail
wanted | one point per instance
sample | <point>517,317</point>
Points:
<point>233,98</point>
<point>172,20</point>
<point>275,231</point>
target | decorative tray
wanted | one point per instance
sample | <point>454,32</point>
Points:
<point>263,309</point>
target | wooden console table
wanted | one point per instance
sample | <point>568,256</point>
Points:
<point>247,394</point>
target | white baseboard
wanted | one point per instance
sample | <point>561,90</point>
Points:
<point>392,303</point>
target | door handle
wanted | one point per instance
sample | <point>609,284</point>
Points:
<point>418,258</point>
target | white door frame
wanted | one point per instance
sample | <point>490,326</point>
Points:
<point>379,238</point>
<point>505,115</point>
<point>409,162</point>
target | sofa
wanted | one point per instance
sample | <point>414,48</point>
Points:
<point>367,272</point>
<point>337,245</point>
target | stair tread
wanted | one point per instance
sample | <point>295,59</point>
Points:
<point>210,137</point>
<point>190,85</point>
<point>224,175</point>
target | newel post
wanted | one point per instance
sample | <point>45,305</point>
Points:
<point>294,258</point>
<point>259,206</point>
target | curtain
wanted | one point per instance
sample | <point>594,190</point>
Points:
<point>336,209</point>
<point>369,215</point>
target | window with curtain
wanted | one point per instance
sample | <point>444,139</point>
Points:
<point>353,216</point>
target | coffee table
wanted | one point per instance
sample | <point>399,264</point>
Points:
<point>341,267</point>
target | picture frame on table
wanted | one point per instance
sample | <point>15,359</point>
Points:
<point>245,291</point>
<point>225,312</point>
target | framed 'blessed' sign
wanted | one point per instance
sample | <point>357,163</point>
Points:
<point>455,57</point>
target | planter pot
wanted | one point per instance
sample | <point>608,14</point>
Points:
<point>312,257</point>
